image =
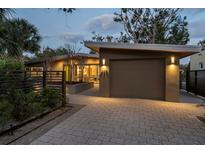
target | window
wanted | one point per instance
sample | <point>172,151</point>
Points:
<point>201,65</point>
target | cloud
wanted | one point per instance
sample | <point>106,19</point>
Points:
<point>197,29</point>
<point>72,37</point>
<point>103,23</point>
<point>67,37</point>
<point>48,36</point>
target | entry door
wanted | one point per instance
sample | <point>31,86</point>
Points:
<point>142,78</point>
<point>67,72</point>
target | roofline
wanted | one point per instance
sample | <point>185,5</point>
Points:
<point>61,57</point>
<point>185,49</point>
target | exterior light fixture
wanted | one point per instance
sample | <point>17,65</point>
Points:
<point>103,61</point>
<point>172,60</point>
<point>104,68</point>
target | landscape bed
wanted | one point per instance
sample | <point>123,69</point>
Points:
<point>24,97</point>
<point>33,129</point>
<point>14,125</point>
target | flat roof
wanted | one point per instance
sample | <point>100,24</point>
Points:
<point>56,58</point>
<point>181,50</point>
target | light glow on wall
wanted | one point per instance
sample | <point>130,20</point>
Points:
<point>104,68</point>
<point>172,60</point>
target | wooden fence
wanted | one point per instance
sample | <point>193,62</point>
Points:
<point>33,81</point>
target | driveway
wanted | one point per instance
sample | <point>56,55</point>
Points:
<point>128,121</point>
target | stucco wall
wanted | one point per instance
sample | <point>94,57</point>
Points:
<point>91,61</point>
<point>172,81</point>
<point>171,73</point>
<point>58,66</point>
<point>196,59</point>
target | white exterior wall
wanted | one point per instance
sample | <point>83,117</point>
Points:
<point>196,59</point>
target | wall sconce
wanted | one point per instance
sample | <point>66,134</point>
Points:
<point>104,68</point>
<point>103,61</point>
<point>172,60</point>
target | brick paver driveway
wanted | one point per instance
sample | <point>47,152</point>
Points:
<point>128,121</point>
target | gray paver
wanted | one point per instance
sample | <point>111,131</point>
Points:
<point>128,121</point>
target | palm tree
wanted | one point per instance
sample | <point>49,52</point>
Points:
<point>17,35</point>
<point>21,36</point>
<point>4,14</point>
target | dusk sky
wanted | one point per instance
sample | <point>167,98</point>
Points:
<point>58,28</point>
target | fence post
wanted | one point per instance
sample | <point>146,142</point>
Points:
<point>25,81</point>
<point>44,79</point>
<point>63,88</point>
<point>195,86</point>
<point>180,79</point>
<point>187,80</point>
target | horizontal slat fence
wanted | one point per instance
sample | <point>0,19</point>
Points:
<point>195,82</point>
<point>12,81</point>
<point>33,81</point>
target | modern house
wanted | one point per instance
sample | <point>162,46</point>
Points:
<point>149,71</point>
<point>78,67</point>
<point>197,61</point>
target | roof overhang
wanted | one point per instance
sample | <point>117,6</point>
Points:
<point>62,57</point>
<point>181,50</point>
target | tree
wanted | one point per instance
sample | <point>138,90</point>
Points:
<point>123,38</point>
<point>202,44</point>
<point>17,35</point>
<point>46,53</point>
<point>21,36</point>
<point>49,52</point>
<point>99,38</point>
<point>72,48</point>
<point>61,51</point>
<point>68,49</point>
<point>165,26</point>
<point>67,10</point>
<point>4,14</point>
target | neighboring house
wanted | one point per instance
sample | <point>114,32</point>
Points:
<point>79,67</point>
<point>149,71</point>
<point>197,61</point>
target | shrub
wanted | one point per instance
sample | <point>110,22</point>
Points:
<point>21,107</point>
<point>6,109</point>
<point>18,104</point>
<point>50,97</point>
<point>10,64</point>
<point>10,80</point>
<point>33,99</point>
<point>37,107</point>
<point>25,105</point>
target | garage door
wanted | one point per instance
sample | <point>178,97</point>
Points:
<point>144,78</point>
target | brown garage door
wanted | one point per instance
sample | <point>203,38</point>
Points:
<point>142,78</point>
